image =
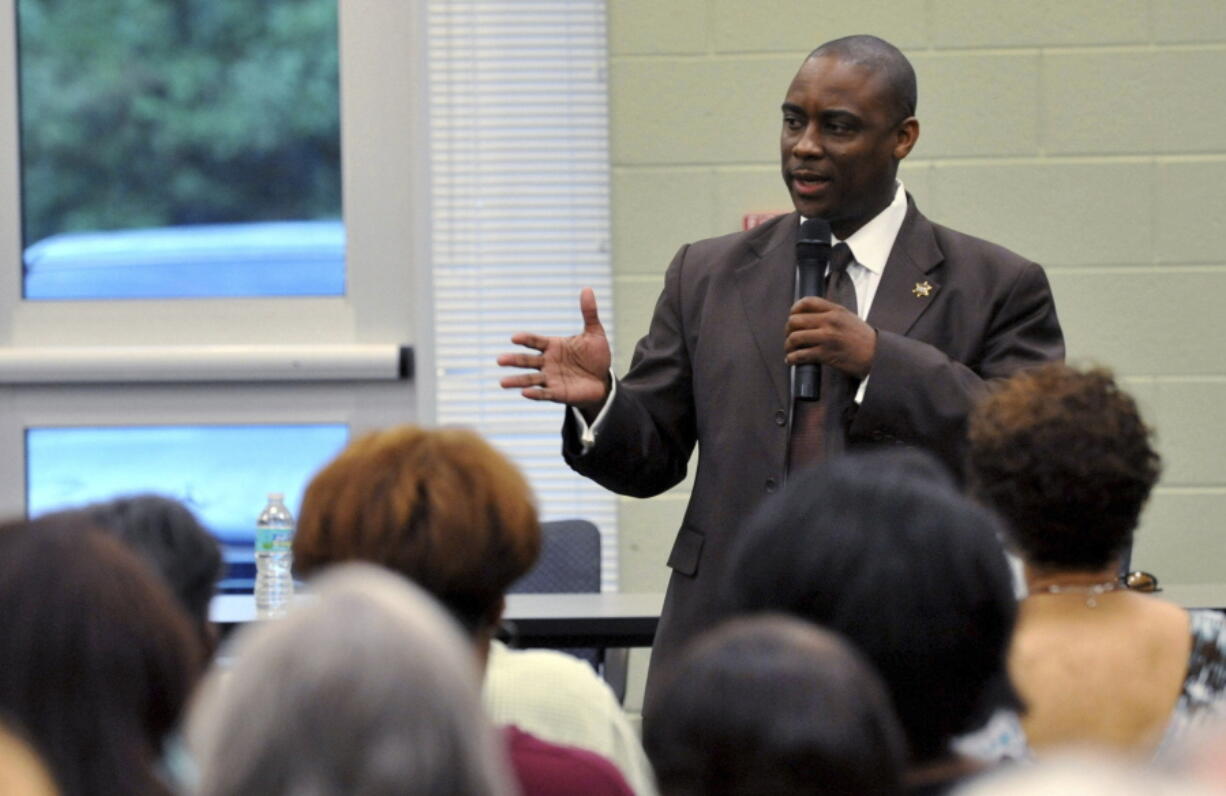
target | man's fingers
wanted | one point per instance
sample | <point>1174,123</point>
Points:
<point>814,304</point>
<point>807,321</point>
<point>815,313</point>
<point>539,342</point>
<point>518,360</point>
<point>801,339</point>
<point>587,306</point>
<point>522,380</point>
<point>821,340</point>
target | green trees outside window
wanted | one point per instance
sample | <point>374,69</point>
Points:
<point>153,113</point>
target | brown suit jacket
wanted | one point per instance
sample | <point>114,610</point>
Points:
<point>952,312</point>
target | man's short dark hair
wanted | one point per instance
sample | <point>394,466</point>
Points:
<point>880,56</point>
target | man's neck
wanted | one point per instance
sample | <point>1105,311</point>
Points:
<point>874,240</point>
<point>846,228</point>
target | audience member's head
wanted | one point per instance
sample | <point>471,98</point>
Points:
<point>367,688</point>
<point>97,658</point>
<point>440,506</point>
<point>881,548</point>
<point>165,533</point>
<point>773,705</point>
<point>1065,458</point>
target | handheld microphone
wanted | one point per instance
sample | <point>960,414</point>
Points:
<point>812,256</point>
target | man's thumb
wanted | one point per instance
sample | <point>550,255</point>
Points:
<point>587,306</point>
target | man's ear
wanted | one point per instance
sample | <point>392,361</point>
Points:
<point>906,136</point>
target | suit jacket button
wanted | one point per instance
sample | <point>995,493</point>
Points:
<point>781,417</point>
<point>771,485</point>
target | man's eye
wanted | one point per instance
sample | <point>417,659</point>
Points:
<point>792,123</point>
<point>838,128</point>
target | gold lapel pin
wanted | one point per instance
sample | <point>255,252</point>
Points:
<point>922,289</point>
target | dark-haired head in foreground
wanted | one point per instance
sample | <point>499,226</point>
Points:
<point>1066,459</point>
<point>882,549</point>
<point>773,705</point>
<point>167,534</point>
<point>97,658</point>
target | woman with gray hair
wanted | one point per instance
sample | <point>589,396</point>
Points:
<point>367,689</point>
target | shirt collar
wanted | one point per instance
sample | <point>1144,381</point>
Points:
<point>871,243</point>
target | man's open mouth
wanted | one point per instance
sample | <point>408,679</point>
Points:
<point>807,183</point>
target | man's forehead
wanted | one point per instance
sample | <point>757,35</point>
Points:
<point>838,67</point>
<point>839,75</point>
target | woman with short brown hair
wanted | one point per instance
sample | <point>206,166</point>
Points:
<point>439,506</point>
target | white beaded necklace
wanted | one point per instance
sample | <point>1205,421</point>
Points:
<point>1092,591</point>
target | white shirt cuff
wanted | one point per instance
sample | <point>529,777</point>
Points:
<point>587,434</point>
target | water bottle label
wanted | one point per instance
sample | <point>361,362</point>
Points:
<point>273,540</point>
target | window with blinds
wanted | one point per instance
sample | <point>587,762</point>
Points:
<point>520,187</point>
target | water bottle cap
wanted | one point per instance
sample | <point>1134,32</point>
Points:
<point>276,496</point>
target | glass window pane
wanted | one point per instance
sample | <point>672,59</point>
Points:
<point>223,473</point>
<point>175,148</point>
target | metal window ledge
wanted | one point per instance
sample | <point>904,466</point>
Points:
<point>205,363</point>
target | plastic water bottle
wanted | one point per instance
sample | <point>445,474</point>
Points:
<point>274,558</point>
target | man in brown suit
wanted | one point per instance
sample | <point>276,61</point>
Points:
<point>938,316</point>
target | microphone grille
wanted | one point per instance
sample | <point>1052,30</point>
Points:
<point>816,230</point>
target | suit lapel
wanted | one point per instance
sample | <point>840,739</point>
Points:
<point>767,284</point>
<point>907,286</point>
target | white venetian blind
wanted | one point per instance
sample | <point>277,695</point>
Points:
<point>520,180</point>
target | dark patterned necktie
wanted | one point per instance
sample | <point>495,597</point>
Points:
<point>839,287</point>
<point>817,426</point>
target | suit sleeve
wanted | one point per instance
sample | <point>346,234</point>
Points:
<point>919,395</point>
<point>645,440</point>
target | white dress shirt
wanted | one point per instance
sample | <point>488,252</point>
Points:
<point>870,246</point>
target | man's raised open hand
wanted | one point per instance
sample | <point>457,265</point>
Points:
<point>568,370</point>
